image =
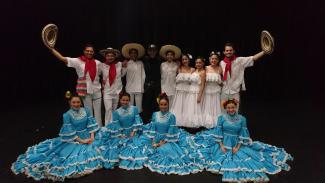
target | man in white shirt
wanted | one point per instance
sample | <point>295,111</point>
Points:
<point>112,72</point>
<point>88,85</point>
<point>135,73</point>
<point>233,72</point>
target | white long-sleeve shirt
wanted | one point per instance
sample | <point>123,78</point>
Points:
<point>79,66</point>
<point>168,72</point>
<point>135,77</point>
<point>116,87</point>
<point>236,79</point>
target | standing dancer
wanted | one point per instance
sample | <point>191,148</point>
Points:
<point>135,73</point>
<point>88,85</point>
<point>193,116</point>
<point>112,71</point>
<point>183,81</point>
<point>211,103</point>
<point>233,72</point>
<point>168,70</point>
<point>152,86</point>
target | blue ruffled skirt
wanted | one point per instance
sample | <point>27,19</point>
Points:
<point>174,157</point>
<point>57,160</point>
<point>251,162</point>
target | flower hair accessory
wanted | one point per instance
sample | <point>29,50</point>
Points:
<point>68,95</point>
<point>226,102</point>
<point>161,95</point>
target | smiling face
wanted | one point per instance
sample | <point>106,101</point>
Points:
<point>199,63</point>
<point>75,103</point>
<point>185,60</point>
<point>231,108</point>
<point>89,52</point>
<point>163,105</point>
<point>214,60</point>
<point>229,51</point>
<point>124,101</point>
<point>170,56</point>
<point>110,57</point>
<point>133,54</point>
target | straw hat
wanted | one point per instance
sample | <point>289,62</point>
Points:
<point>173,48</point>
<point>267,42</point>
<point>116,52</point>
<point>49,35</point>
<point>129,46</point>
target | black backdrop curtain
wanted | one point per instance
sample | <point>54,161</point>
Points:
<point>30,72</point>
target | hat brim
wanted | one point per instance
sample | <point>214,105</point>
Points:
<point>50,35</point>
<point>116,52</point>
<point>267,42</point>
<point>177,51</point>
<point>127,47</point>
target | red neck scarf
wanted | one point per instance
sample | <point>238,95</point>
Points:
<point>111,72</point>
<point>228,62</point>
<point>89,67</point>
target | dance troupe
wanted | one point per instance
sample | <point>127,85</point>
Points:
<point>204,96</point>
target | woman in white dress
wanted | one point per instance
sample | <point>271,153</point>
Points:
<point>112,72</point>
<point>193,105</point>
<point>211,107</point>
<point>135,74</point>
<point>183,81</point>
<point>168,70</point>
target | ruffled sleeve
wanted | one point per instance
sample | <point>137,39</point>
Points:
<point>244,137</point>
<point>114,128</point>
<point>173,131</point>
<point>68,132</point>
<point>92,125</point>
<point>149,129</point>
<point>137,126</point>
<point>218,132</point>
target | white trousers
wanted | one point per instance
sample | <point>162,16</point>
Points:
<point>94,103</point>
<point>138,100</point>
<point>110,106</point>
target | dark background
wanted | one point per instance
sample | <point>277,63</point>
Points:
<point>284,101</point>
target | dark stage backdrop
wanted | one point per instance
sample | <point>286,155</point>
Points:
<point>31,73</point>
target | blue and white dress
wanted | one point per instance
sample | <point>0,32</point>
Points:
<point>173,157</point>
<point>252,161</point>
<point>117,147</point>
<point>63,157</point>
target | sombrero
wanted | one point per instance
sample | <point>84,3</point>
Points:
<point>173,48</point>
<point>110,50</point>
<point>267,42</point>
<point>49,35</point>
<point>129,46</point>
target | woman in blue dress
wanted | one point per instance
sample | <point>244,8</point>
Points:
<point>170,150</point>
<point>121,144</point>
<point>73,154</point>
<point>229,150</point>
